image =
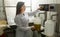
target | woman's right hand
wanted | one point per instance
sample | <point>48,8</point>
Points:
<point>38,9</point>
<point>33,28</point>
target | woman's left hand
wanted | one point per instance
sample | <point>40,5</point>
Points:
<point>33,28</point>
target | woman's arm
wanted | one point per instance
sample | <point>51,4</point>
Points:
<point>33,13</point>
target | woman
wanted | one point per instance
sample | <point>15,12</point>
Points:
<point>23,30</point>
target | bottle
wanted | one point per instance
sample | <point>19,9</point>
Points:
<point>49,26</point>
<point>37,23</point>
<point>42,17</point>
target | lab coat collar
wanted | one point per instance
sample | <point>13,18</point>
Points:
<point>22,14</point>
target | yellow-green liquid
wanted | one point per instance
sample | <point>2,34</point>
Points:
<point>37,27</point>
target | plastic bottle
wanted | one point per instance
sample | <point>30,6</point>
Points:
<point>49,26</point>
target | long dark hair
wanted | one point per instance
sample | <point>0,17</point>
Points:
<point>18,7</point>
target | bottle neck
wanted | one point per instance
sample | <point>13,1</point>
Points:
<point>48,15</point>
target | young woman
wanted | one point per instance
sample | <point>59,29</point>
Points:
<point>23,30</point>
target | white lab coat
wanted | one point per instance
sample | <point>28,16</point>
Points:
<point>23,30</point>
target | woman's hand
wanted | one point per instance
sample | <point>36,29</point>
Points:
<point>38,9</point>
<point>33,28</point>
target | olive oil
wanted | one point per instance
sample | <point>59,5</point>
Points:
<point>37,27</point>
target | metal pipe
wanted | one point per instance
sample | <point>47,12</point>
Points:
<point>4,11</point>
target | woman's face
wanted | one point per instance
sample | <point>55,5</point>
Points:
<point>23,8</point>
